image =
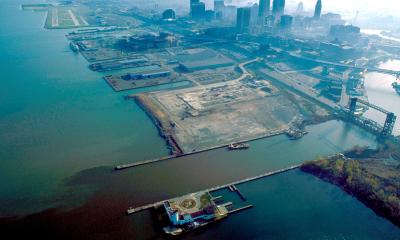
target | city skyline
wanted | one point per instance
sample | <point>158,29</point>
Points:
<point>344,7</point>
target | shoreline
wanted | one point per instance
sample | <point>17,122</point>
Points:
<point>359,187</point>
<point>166,129</point>
<point>162,122</point>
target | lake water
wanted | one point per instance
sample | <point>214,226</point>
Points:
<point>60,123</point>
<point>381,93</point>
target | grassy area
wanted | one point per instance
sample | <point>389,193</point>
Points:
<point>373,182</point>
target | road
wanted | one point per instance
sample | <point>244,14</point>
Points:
<point>370,69</point>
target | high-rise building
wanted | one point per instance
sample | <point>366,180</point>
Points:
<point>264,8</point>
<point>219,5</point>
<point>254,14</point>
<point>278,8</point>
<point>168,14</point>
<point>300,8</point>
<point>243,19</point>
<point>286,23</point>
<point>193,2</point>
<point>318,9</point>
<point>198,10</point>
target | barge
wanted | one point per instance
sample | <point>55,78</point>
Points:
<point>238,146</point>
<point>396,87</point>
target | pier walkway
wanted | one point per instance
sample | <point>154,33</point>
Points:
<point>250,179</point>
<point>140,163</point>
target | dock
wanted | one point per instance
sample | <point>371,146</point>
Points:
<point>227,204</point>
<point>250,179</point>
<point>238,192</point>
<point>146,162</point>
<point>137,164</point>
<point>217,198</point>
<point>240,209</point>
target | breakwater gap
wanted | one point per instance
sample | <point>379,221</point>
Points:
<point>232,186</point>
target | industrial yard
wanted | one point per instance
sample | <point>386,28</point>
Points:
<point>218,114</point>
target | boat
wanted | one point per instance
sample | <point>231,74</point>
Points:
<point>172,230</point>
<point>295,134</point>
<point>74,47</point>
<point>238,146</point>
<point>396,87</point>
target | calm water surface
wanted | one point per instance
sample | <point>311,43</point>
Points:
<point>380,92</point>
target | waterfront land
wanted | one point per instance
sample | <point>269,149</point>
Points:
<point>373,181</point>
<point>215,115</point>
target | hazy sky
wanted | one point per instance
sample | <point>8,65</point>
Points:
<point>385,6</point>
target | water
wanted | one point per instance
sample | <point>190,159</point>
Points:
<point>381,93</point>
<point>60,122</point>
<point>299,206</point>
<point>56,116</point>
<point>378,33</point>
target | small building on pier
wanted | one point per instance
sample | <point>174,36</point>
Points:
<point>194,209</point>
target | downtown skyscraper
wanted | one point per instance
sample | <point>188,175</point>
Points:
<point>264,8</point>
<point>318,9</point>
<point>278,8</point>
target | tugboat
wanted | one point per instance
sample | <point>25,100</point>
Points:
<point>295,134</point>
<point>396,87</point>
<point>172,230</point>
<point>74,47</point>
<point>238,146</point>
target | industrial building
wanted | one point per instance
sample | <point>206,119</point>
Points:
<point>198,59</point>
<point>243,19</point>
<point>194,208</point>
<point>147,72</point>
<point>148,41</point>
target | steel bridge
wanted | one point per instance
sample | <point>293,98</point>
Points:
<point>382,131</point>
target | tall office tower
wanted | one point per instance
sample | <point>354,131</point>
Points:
<point>286,23</point>
<point>318,9</point>
<point>300,8</point>
<point>198,10</point>
<point>278,8</point>
<point>192,2</point>
<point>264,8</point>
<point>243,19</point>
<point>219,5</point>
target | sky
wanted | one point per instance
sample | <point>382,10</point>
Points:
<point>364,6</point>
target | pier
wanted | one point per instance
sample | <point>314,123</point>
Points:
<point>238,193</point>
<point>229,185</point>
<point>240,209</point>
<point>146,162</point>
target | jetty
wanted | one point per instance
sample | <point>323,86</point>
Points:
<point>238,192</point>
<point>132,210</point>
<point>151,161</point>
<point>240,209</point>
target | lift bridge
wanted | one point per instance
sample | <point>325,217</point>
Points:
<point>382,131</point>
